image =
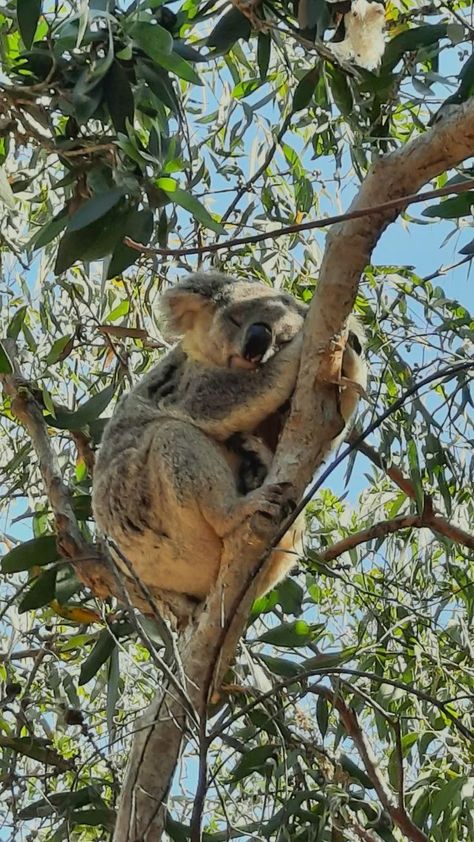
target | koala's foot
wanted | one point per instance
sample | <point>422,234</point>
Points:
<point>273,506</point>
<point>262,508</point>
<point>255,460</point>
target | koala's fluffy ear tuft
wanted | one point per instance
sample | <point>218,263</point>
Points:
<point>181,303</point>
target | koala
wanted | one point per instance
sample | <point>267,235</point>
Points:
<point>359,34</point>
<point>184,459</point>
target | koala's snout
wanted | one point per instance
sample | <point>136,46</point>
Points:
<point>258,339</point>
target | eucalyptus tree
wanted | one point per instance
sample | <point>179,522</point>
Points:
<point>139,141</point>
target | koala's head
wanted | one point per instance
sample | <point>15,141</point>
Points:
<point>228,322</point>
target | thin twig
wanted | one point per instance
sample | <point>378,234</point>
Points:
<point>400,772</point>
<point>401,202</point>
<point>387,527</point>
<point>351,723</point>
<point>265,164</point>
<point>434,521</point>
<point>201,787</point>
<point>371,676</point>
<point>448,372</point>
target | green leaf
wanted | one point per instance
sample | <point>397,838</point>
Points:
<point>139,227</point>
<point>60,803</point>
<point>298,633</point>
<point>264,47</point>
<point>67,584</point>
<point>113,679</point>
<point>92,242</point>
<point>51,230</point>
<point>264,604</point>
<point>119,311</point>
<point>468,248</point>
<point>100,653</point>
<point>82,505</point>
<point>28,12</point>
<point>355,771</point>
<point>42,591</point>
<point>95,208</point>
<point>102,650</point>
<point>415,473</point>
<point>119,97</point>
<point>6,193</point>
<point>313,18</point>
<point>30,747</point>
<point>179,66</point>
<point>86,97</point>
<point>290,597</point>
<point>411,40</point>
<point>99,816</point>
<point>452,208</point>
<point>188,52</point>
<point>254,760</point>
<point>5,364</point>
<point>446,797</point>
<point>330,659</point>
<point>60,349</point>
<point>16,323</point>
<point>407,741</point>
<point>305,88</point>
<point>322,715</point>
<point>340,90</point>
<point>245,88</point>
<point>38,551</point>
<point>159,82</point>
<point>195,208</point>
<point>228,29</point>
<point>466,78</point>
<point>280,666</point>
<point>65,419</point>
<point>153,39</point>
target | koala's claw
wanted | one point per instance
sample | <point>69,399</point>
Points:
<point>273,506</point>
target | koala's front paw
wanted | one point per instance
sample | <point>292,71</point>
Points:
<point>274,505</point>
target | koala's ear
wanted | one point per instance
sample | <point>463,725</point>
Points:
<point>198,292</point>
<point>180,306</point>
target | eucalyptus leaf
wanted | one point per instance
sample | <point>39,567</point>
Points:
<point>37,551</point>
<point>195,208</point>
<point>95,208</point>
<point>28,12</point>
<point>41,592</point>
<point>231,26</point>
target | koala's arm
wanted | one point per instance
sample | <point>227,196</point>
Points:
<point>223,401</point>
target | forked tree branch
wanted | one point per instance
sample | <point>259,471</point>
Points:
<point>209,644</point>
<point>427,520</point>
<point>432,519</point>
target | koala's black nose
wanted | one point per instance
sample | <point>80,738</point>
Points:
<point>258,339</point>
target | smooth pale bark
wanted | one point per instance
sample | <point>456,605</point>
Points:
<point>209,644</point>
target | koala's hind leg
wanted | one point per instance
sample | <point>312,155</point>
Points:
<point>198,476</point>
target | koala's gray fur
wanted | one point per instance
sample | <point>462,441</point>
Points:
<point>183,459</point>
